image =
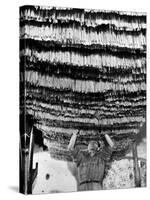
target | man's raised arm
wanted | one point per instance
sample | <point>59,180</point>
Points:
<point>107,137</point>
<point>72,141</point>
<point>109,141</point>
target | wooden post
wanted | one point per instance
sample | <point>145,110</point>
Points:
<point>21,169</point>
<point>30,162</point>
<point>32,173</point>
<point>136,166</point>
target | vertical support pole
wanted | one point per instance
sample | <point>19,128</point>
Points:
<point>136,166</point>
<point>21,169</point>
<point>30,162</point>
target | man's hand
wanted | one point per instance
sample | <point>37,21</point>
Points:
<point>76,133</point>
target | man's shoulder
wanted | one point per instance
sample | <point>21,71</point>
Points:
<point>84,152</point>
<point>106,153</point>
<point>76,151</point>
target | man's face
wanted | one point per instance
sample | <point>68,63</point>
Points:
<point>92,147</point>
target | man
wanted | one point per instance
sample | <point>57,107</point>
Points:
<point>90,163</point>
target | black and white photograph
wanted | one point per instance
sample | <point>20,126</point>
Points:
<point>82,99</point>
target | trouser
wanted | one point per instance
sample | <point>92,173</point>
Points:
<point>90,186</point>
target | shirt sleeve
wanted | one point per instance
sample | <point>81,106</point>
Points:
<point>76,155</point>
